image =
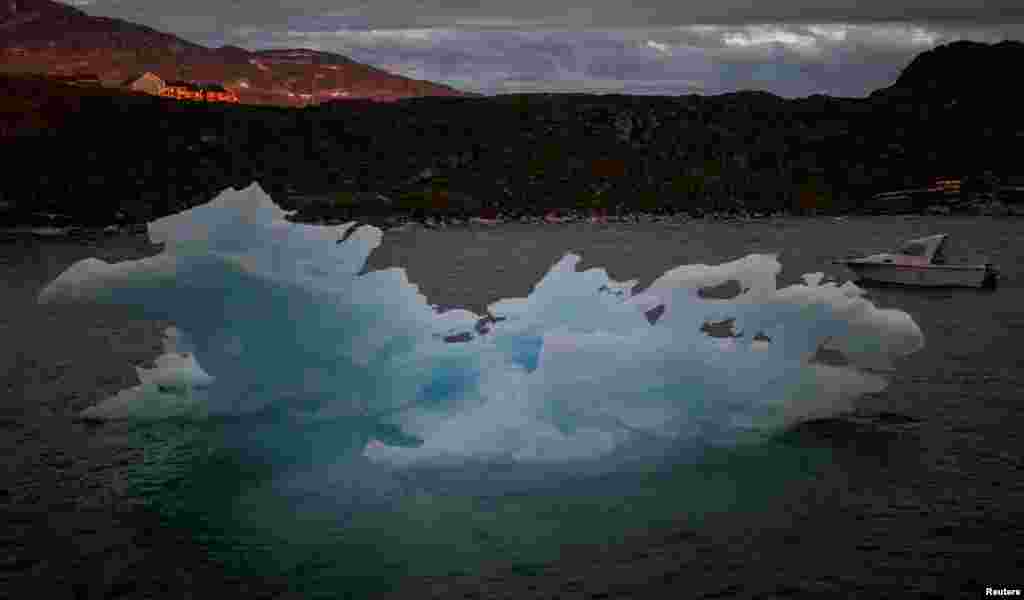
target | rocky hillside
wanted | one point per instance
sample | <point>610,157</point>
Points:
<point>523,153</point>
<point>960,70</point>
<point>42,36</point>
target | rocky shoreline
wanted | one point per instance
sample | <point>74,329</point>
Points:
<point>398,223</point>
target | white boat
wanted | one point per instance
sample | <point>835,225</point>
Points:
<point>920,262</point>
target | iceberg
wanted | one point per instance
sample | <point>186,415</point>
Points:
<point>278,318</point>
<point>173,388</point>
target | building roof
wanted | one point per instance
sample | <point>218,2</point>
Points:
<point>137,76</point>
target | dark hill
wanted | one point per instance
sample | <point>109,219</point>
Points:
<point>961,69</point>
<point>525,153</point>
<point>46,37</point>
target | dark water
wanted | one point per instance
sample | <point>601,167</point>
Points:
<point>326,538</point>
<point>942,440</point>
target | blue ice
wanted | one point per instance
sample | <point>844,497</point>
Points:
<point>275,316</point>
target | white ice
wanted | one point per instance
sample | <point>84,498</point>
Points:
<point>279,318</point>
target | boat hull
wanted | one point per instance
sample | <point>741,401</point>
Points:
<point>924,276</point>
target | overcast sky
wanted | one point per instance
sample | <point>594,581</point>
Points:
<point>788,47</point>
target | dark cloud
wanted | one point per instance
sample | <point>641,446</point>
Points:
<point>789,60</point>
<point>205,16</point>
<point>791,48</point>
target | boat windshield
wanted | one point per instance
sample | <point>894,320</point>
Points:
<point>913,249</point>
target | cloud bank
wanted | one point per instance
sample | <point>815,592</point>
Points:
<point>794,48</point>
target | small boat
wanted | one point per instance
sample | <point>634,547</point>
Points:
<point>920,262</point>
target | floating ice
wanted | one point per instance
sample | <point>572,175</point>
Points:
<point>279,316</point>
<point>175,387</point>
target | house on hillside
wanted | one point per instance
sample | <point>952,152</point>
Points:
<point>186,90</point>
<point>944,189</point>
<point>147,82</point>
<point>182,90</point>
<point>217,93</point>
